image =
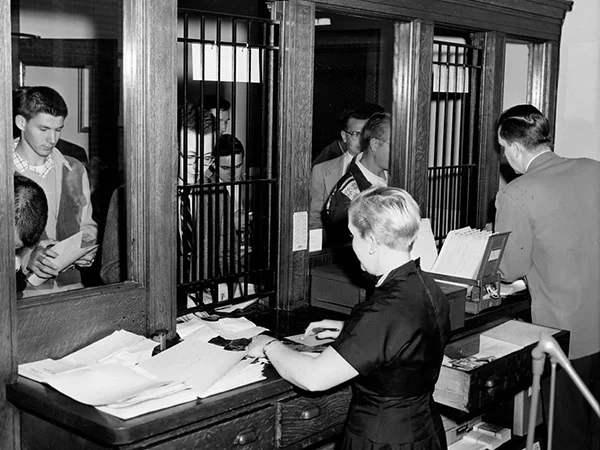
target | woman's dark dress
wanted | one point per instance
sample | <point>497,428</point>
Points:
<point>396,341</point>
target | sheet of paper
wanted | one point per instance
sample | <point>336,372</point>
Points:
<point>424,247</point>
<point>315,240</point>
<point>247,371</point>
<point>196,363</point>
<point>44,369</point>
<point>310,341</point>
<point>240,306</point>
<point>102,384</point>
<point>103,349</point>
<point>300,231</point>
<point>69,250</point>
<point>138,409</point>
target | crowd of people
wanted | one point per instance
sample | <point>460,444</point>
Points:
<point>391,346</point>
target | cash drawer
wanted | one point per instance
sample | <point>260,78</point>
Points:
<point>469,380</point>
<point>303,417</point>
<point>251,431</point>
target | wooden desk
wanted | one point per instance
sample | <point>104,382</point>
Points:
<point>267,415</point>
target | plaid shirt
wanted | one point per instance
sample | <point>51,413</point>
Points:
<point>23,165</point>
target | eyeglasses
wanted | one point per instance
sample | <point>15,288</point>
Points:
<point>353,134</point>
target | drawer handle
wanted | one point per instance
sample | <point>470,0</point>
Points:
<point>245,437</point>
<point>493,382</point>
<point>310,413</point>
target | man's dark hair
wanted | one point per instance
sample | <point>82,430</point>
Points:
<point>227,145</point>
<point>362,113</point>
<point>524,124</point>
<point>189,118</point>
<point>39,99</point>
<point>210,102</point>
<point>31,210</point>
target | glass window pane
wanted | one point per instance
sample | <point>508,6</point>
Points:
<point>69,52</point>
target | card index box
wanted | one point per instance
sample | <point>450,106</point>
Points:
<point>488,276</point>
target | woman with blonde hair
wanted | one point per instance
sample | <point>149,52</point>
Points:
<point>392,345</point>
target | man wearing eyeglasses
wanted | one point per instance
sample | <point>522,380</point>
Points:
<point>326,174</point>
<point>369,168</point>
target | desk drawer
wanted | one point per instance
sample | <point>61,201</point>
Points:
<point>252,431</point>
<point>501,378</point>
<point>303,417</point>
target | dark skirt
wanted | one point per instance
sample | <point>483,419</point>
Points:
<point>393,424</point>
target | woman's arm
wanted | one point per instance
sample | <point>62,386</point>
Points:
<point>325,371</point>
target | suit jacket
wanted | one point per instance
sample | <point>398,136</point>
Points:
<point>332,151</point>
<point>553,214</point>
<point>323,179</point>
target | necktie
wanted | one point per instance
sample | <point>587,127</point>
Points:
<point>187,236</point>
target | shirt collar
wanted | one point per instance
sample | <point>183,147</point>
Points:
<point>534,158</point>
<point>55,157</point>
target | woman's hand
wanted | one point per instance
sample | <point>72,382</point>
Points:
<point>255,350</point>
<point>324,329</point>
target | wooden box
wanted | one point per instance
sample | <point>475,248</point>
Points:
<point>467,383</point>
<point>332,289</point>
<point>456,296</point>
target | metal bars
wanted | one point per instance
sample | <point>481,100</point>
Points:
<point>453,158</point>
<point>228,179</point>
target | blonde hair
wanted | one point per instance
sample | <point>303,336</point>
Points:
<point>390,215</point>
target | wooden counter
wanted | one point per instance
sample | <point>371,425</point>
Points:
<point>271,414</point>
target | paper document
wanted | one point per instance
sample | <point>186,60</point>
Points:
<point>69,250</point>
<point>103,384</point>
<point>120,346</point>
<point>196,363</point>
<point>247,371</point>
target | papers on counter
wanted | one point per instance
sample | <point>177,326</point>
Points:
<point>118,376</point>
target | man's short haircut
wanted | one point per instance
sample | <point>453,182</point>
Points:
<point>210,102</point>
<point>377,126</point>
<point>31,210</point>
<point>388,214</point>
<point>362,113</point>
<point>189,119</point>
<point>227,145</point>
<point>525,124</point>
<point>40,99</point>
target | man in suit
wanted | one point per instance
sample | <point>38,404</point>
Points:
<point>553,213</point>
<point>327,173</point>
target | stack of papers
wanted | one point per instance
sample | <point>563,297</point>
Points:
<point>119,376</point>
<point>462,253</point>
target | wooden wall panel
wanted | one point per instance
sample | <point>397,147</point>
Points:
<point>61,323</point>
<point>542,82</point>
<point>295,137</point>
<point>149,66</point>
<point>490,107</point>
<point>536,19</point>
<point>8,287</point>
<point>412,99</point>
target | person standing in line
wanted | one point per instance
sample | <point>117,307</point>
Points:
<point>326,174</point>
<point>40,117</point>
<point>553,214</point>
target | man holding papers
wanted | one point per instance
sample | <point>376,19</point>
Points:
<point>40,116</point>
<point>553,214</point>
